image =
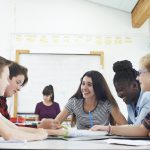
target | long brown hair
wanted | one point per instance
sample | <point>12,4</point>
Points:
<point>101,90</point>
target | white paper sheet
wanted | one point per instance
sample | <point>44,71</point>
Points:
<point>73,132</point>
<point>127,142</point>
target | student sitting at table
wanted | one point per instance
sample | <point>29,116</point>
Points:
<point>17,79</point>
<point>92,104</point>
<point>134,130</point>
<point>47,108</point>
<point>128,88</point>
<point>10,131</point>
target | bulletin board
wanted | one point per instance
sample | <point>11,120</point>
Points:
<point>63,71</point>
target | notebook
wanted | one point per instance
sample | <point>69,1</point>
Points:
<point>75,134</point>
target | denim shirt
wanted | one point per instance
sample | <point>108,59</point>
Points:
<point>141,109</point>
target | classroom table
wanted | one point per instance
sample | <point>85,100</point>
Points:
<point>62,144</point>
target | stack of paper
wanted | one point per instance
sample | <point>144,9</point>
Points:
<point>73,132</point>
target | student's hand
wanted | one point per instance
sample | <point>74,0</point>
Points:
<point>100,128</point>
<point>58,132</point>
<point>42,133</point>
<point>49,124</point>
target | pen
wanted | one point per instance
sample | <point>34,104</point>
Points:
<point>91,119</point>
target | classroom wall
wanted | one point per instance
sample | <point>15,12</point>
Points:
<point>6,27</point>
<point>72,26</point>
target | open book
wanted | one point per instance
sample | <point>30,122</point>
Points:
<point>76,134</point>
<point>85,135</point>
<point>73,132</point>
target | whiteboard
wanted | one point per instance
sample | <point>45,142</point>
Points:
<point>63,71</point>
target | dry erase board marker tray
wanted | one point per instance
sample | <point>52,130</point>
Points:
<point>129,137</point>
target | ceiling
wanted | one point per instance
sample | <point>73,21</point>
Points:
<point>139,9</point>
<point>123,5</point>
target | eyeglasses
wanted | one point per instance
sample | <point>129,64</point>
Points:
<point>141,71</point>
